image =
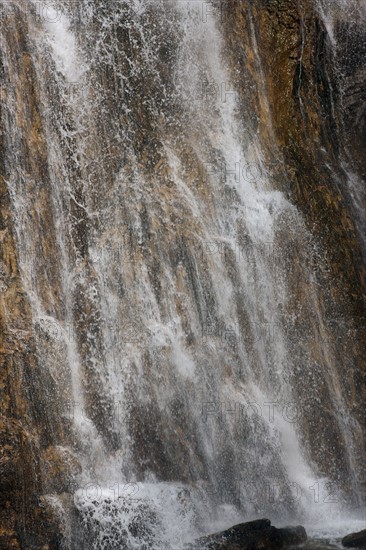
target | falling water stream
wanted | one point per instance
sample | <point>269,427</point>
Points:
<point>151,242</point>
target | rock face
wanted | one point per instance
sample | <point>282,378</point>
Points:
<point>253,535</point>
<point>300,107</point>
<point>302,99</point>
<point>27,432</point>
<point>355,540</point>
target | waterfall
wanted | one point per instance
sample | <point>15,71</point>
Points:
<point>337,17</point>
<point>162,264</point>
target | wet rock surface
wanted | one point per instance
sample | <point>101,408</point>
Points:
<point>293,535</point>
<point>253,535</point>
<point>355,540</point>
<point>305,135</point>
<point>60,470</point>
<point>306,85</point>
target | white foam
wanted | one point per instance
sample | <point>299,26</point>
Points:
<point>63,45</point>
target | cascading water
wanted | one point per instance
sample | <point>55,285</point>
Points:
<point>342,16</point>
<point>154,251</point>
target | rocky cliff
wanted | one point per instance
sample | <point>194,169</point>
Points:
<point>297,69</point>
<point>308,81</point>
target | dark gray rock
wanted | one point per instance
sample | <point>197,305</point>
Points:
<point>254,535</point>
<point>355,540</point>
<point>293,535</point>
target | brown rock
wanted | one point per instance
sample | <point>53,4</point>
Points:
<point>60,470</point>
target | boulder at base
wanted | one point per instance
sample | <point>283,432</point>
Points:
<point>254,535</point>
<point>293,535</point>
<point>355,540</point>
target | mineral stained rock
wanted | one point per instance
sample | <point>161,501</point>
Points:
<point>282,65</point>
